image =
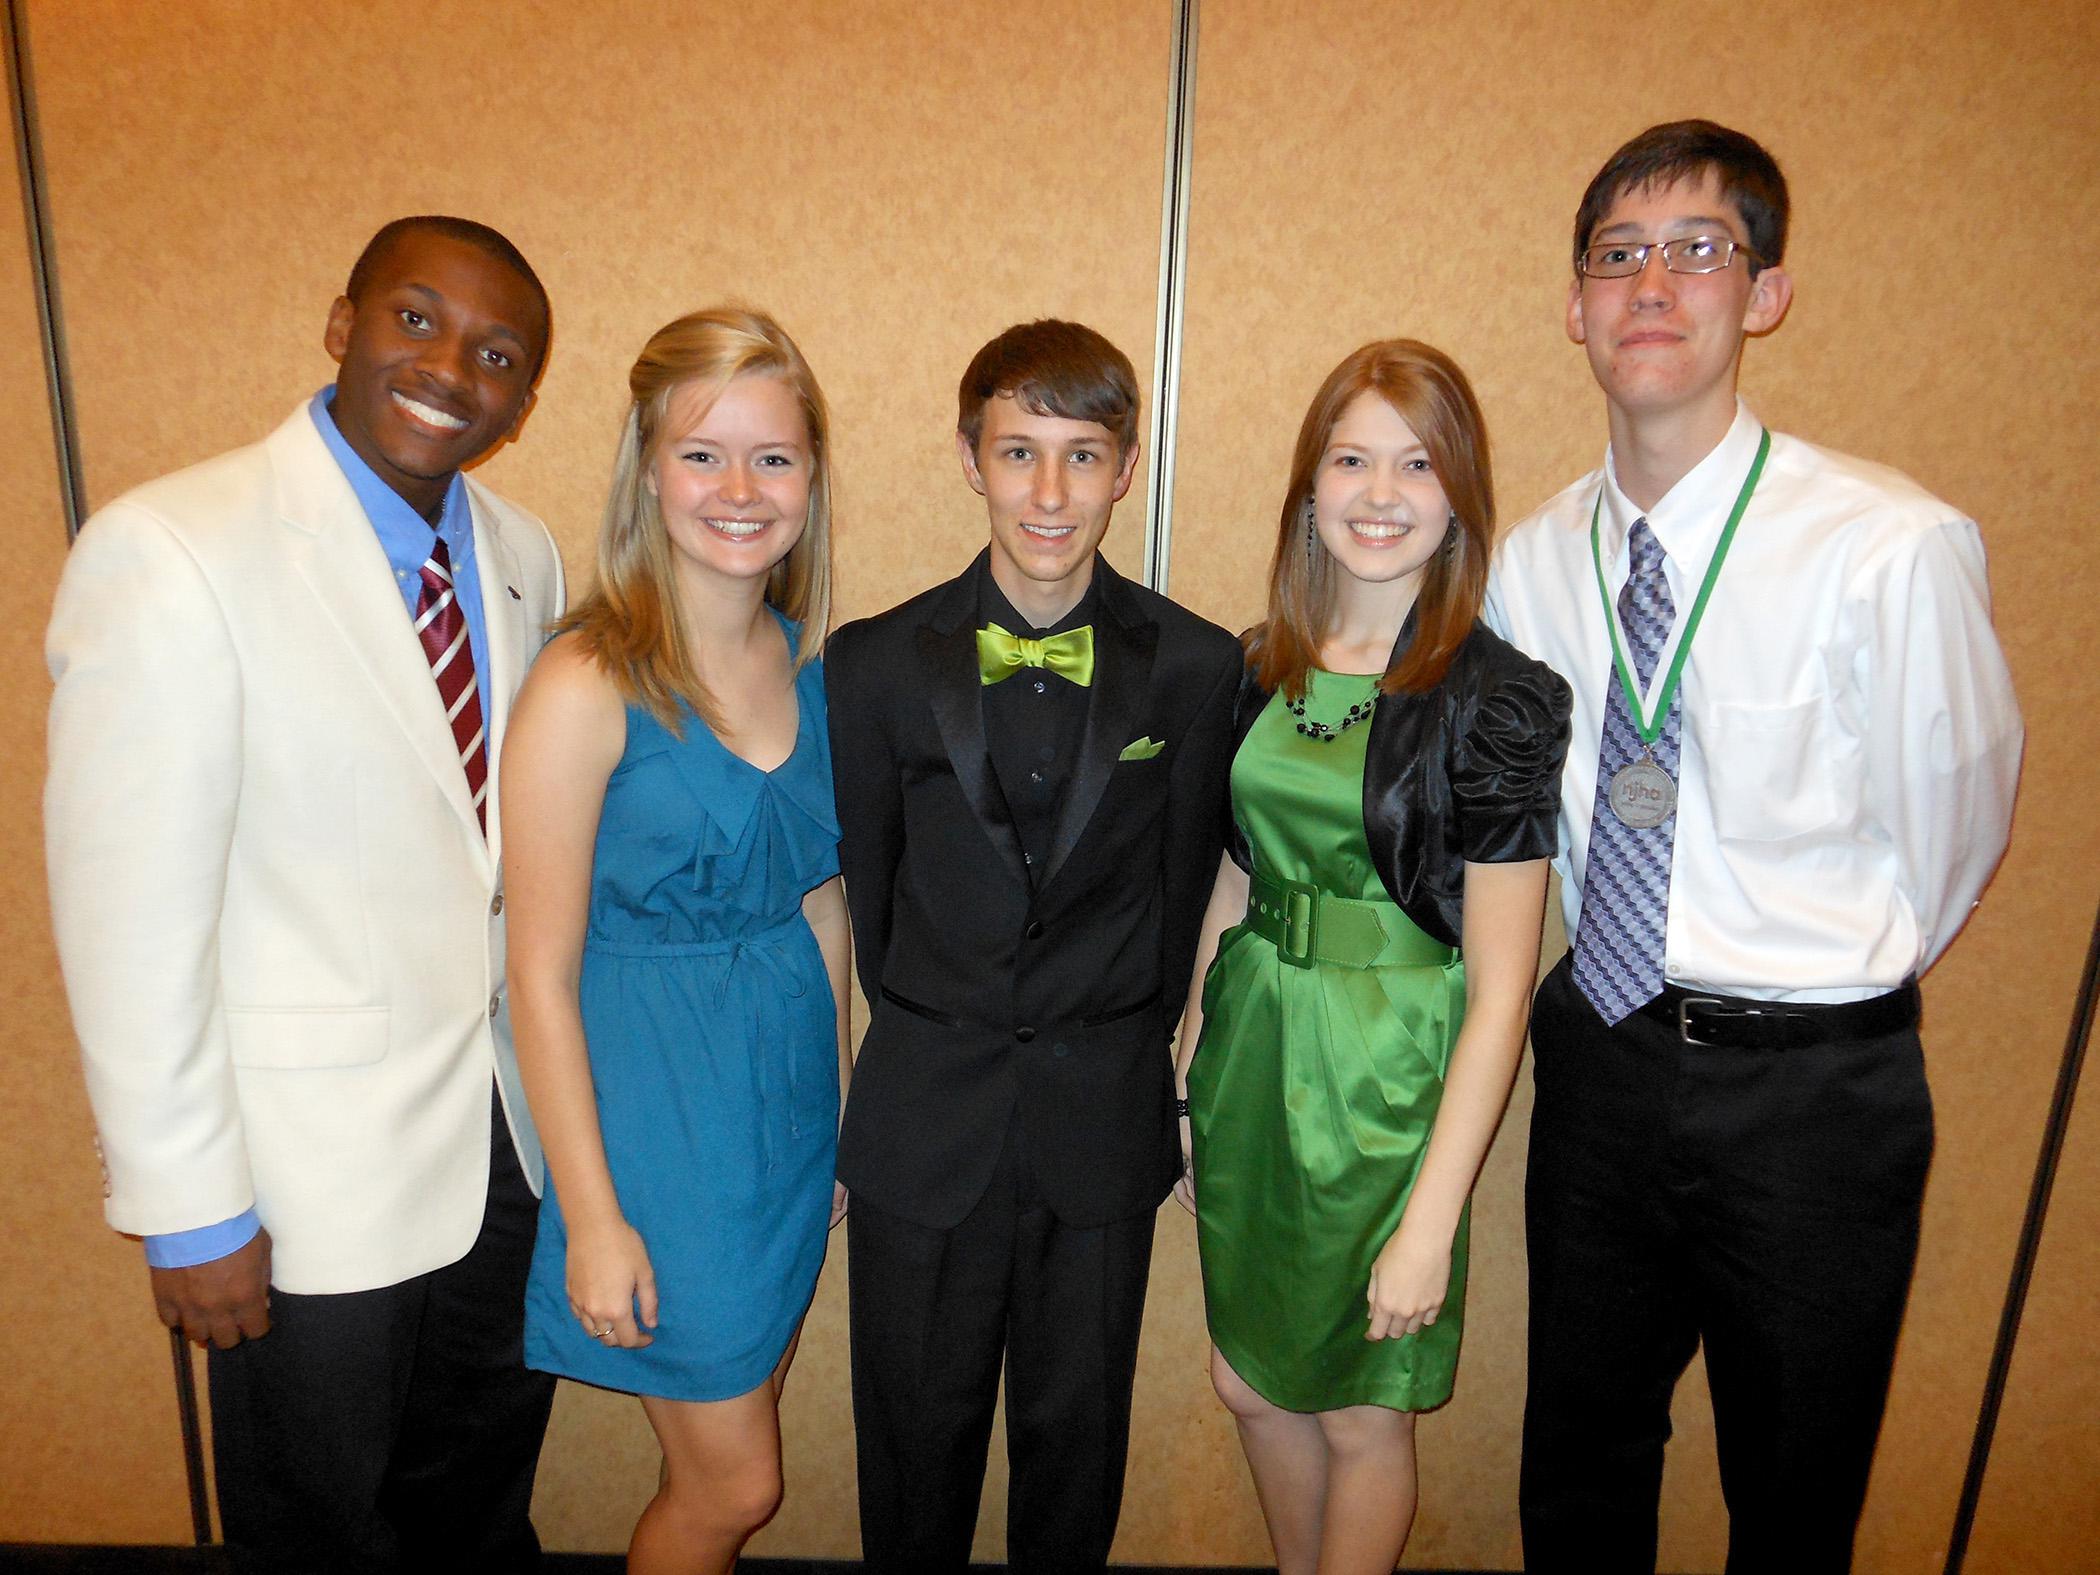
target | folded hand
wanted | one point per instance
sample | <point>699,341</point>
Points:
<point>224,1301</point>
<point>1408,1284</point>
<point>612,1289</point>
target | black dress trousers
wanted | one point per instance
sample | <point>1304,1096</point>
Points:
<point>1763,1202</point>
<point>931,1313</point>
<point>391,1430</point>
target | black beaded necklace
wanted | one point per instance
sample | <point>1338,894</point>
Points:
<point>1323,731</point>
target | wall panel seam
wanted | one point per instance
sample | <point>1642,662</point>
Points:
<point>43,266</point>
<point>1173,271</point>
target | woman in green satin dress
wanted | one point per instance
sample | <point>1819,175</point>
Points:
<point>1368,956</point>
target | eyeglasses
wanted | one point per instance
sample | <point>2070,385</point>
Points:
<point>1689,254</point>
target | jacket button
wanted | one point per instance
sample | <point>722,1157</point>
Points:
<point>496,907</point>
<point>1060,1050</point>
<point>1034,932</point>
<point>495,1001</point>
<point>1024,1034</point>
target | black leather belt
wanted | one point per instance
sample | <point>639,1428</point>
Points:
<point>1729,1022</point>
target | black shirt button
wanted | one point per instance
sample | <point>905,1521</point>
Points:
<point>1034,932</point>
<point>1060,1050</point>
<point>1024,1034</point>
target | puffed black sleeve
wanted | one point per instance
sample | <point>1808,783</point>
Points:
<point>1505,776</point>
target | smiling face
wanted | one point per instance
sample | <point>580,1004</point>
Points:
<point>436,361</point>
<point>1668,344</point>
<point>732,480</point>
<point>1049,484</point>
<point>1377,503</point>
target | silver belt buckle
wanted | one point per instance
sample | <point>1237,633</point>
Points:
<point>1684,1019</point>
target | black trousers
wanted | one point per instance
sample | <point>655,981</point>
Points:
<point>933,1312</point>
<point>396,1429</point>
<point>1763,1202</point>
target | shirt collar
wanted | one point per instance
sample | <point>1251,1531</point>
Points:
<point>1689,518</point>
<point>401,530</point>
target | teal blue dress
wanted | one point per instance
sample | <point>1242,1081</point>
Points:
<point>713,1052</point>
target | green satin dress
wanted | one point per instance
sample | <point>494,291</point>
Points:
<point>1312,1093</point>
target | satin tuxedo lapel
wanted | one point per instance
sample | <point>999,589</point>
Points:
<point>333,549</point>
<point>1124,646</point>
<point>947,647</point>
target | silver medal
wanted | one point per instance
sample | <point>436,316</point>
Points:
<point>1642,794</point>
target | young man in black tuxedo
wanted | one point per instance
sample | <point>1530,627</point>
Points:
<point>1031,765</point>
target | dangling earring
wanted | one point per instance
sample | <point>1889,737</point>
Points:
<point>1312,534</point>
<point>1451,534</point>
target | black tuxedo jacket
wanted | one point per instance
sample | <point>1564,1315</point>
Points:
<point>999,993</point>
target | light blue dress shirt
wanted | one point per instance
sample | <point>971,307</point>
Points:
<point>406,538</point>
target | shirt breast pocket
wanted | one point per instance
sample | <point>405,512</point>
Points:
<point>1772,771</point>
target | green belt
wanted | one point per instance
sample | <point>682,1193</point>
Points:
<point>1307,925</point>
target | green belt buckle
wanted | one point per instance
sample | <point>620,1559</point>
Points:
<point>1298,942</point>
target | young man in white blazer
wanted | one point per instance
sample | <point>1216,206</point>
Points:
<point>282,677</point>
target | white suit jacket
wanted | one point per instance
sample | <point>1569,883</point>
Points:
<point>279,925</point>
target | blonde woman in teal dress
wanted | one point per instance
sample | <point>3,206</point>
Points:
<point>1367,958</point>
<point>678,945</point>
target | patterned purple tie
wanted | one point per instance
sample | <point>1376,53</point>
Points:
<point>1626,880</point>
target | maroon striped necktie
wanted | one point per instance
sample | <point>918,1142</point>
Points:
<point>442,628</point>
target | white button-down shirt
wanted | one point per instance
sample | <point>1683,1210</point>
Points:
<point>1850,740</point>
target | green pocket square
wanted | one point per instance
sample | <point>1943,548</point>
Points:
<point>1142,748</point>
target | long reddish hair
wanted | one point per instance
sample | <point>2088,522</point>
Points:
<point>1432,396</point>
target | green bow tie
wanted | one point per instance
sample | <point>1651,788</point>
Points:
<point>1071,654</point>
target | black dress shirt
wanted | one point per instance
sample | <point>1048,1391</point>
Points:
<point>1033,722</point>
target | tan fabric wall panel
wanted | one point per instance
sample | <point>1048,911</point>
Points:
<point>1358,175</point>
<point>892,181</point>
<point>89,1449</point>
<point>895,181</point>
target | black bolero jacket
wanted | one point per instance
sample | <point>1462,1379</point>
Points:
<point>1469,771</point>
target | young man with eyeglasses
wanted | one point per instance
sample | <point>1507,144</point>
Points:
<point>1795,746</point>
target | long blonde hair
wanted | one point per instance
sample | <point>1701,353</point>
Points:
<point>631,622</point>
<point>1432,396</point>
